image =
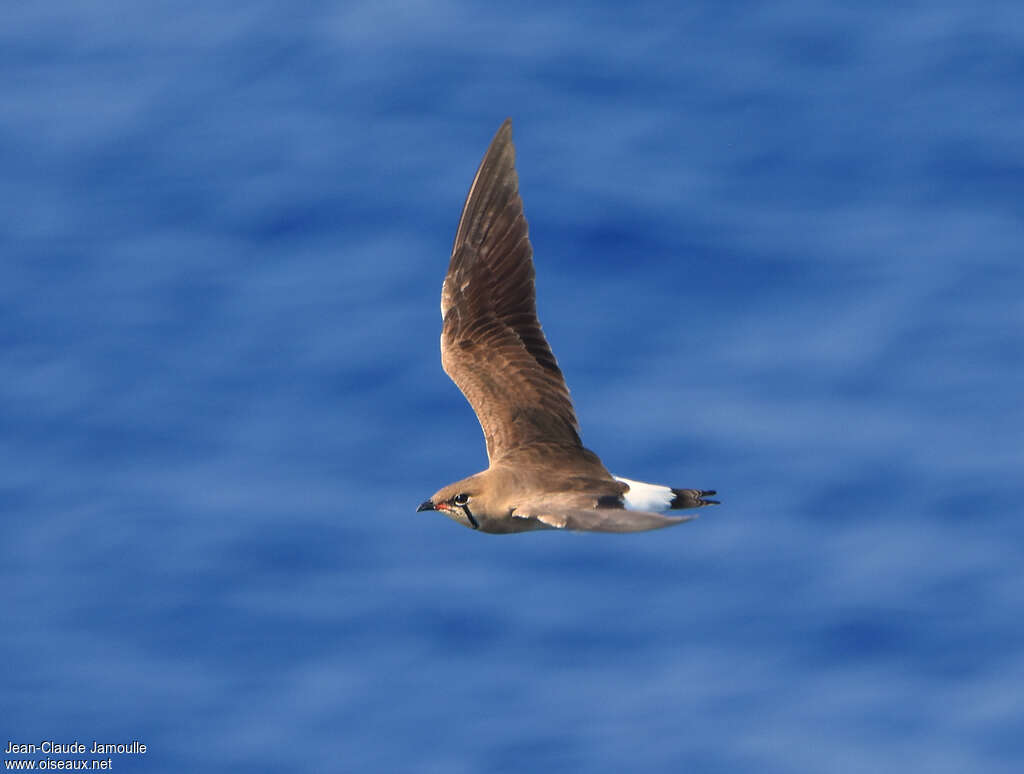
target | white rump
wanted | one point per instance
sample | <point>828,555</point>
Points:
<point>646,497</point>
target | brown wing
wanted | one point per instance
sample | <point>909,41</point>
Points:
<point>492,345</point>
<point>561,511</point>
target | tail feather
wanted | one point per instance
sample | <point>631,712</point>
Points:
<point>641,496</point>
<point>691,498</point>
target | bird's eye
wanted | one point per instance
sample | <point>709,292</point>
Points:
<point>460,499</point>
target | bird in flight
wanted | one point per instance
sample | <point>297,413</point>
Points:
<point>540,476</point>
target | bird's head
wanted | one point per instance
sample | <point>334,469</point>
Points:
<point>458,501</point>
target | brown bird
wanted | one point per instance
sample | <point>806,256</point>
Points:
<point>540,475</point>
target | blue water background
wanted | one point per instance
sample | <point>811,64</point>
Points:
<point>779,254</point>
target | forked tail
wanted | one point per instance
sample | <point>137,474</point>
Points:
<point>642,496</point>
<point>692,498</point>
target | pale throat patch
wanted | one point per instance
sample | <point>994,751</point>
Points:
<point>646,497</point>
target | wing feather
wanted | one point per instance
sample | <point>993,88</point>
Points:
<point>492,344</point>
<point>560,516</point>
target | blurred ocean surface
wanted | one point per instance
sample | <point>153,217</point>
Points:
<point>778,250</point>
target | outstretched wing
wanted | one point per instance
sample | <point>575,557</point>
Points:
<point>561,515</point>
<point>492,345</point>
